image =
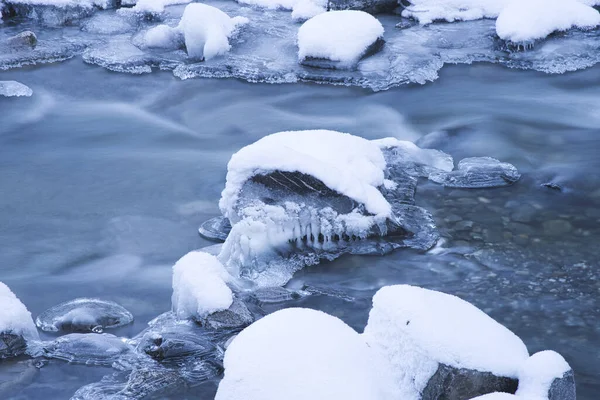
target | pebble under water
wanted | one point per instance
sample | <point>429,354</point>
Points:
<point>106,177</point>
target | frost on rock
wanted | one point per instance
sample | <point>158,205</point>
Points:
<point>294,198</point>
<point>428,11</point>
<point>295,353</point>
<point>523,22</point>
<point>84,315</point>
<point>546,376</point>
<point>206,30</point>
<point>478,172</point>
<point>339,39</point>
<point>14,89</point>
<point>432,338</point>
<point>16,325</point>
<point>199,286</point>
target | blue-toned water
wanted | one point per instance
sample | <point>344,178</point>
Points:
<point>105,177</point>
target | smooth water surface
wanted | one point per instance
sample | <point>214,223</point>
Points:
<point>105,178</point>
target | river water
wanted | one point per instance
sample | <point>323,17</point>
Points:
<point>105,178</point>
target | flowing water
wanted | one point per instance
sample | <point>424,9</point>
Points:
<point>105,178</point>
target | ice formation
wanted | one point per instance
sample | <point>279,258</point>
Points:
<point>54,12</point>
<point>419,330</point>
<point>86,348</point>
<point>199,286</point>
<point>14,89</point>
<point>295,353</point>
<point>339,39</point>
<point>525,21</point>
<point>84,315</point>
<point>478,172</point>
<point>306,9</point>
<point>428,11</point>
<point>16,325</point>
<point>206,30</point>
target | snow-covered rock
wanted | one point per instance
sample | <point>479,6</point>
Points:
<point>546,376</point>
<point>14,89</point>
<point>339,39</point>
<point>25,39</point>
<point>199,286</point>
<point>54,12</point>
<point>151,7</point>
<point>427,335</point>
<point>428,11</point>
<point>524,21</point>
<point>295,354</point>
<point>206,30</point>
<point>303,10</point>
<point>16,325</point>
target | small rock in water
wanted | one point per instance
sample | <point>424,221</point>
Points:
<point>236,316</point>
<point>478,172</point>
<point>23,39</point>
<point>84,315</point>
<point>14,89</point>
<point>553,186</point>
<point>86,348</point>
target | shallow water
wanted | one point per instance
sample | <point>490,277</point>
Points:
<point>105,178</point>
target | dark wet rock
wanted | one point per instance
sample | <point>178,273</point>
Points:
<point>84,315</point>
<point>325,63</point>
<point>449,383</point>
<point>236,316</point>
<point>24,39</point>
<point>11,345</point>
<point>370,6</point>
<point>563,388</point>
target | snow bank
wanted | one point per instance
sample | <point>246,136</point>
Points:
<point>529,20</point>
<point>206,30</point>
<point>299,354</point>
<point>14,89</point>
<point>348,164</point>
<point>14,316</point>
<point>199,286</point>
<point>538,373</point>
<point>342,36</point>
<point>428,11</point>
<point>417,329</point>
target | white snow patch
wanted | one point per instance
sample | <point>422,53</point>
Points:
<point>199,286</point>
<point>342,36</point>
<point>299,354</point>
<point>306,9</point>
<point>162,36</point>
<point>428,11</point>
<point>14,89</point>
<point>14,316</point>
<point>496,396</point>
<point>529,20</point>
<point>538,373</point>
<point>416,329</point>
<point>206,30</point>
<point>348,164</point>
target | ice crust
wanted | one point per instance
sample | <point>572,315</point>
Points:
<point>428,11</point>
<point>340,36</point>
<point>14,89</point>
<point>297,352</point>
<point>14,316</point>
<point>199,286</point>
<point>417,329</point>
<point>523,21</point>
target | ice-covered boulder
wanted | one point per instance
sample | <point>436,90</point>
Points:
<point>339,39</point>
<point>478,172</point>
<point>25,39</point>
<point>206,30</point>
<point>16,325</point>
<point>428,11</point>
<point>14,89</point>
<point>296,354</point>
<point>199,286</point>
<point>546,376</point>
<point>525,21</point>
<point>440,346</point>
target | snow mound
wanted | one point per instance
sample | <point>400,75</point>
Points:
<point>539,372</point>
<point>306,9</point>
<point>206,30</point>
<point>496,396</point>
<point>428,11</point>
<point>524,21</point>
<point>153,6</point>
<point>297,353</point>
<point>14,89</point>
<point>163,36</point>
<point>348,164</point>
<point>199,286</point>
<point>417,329</point>
<point>340,36</point>
<point>14,316</point>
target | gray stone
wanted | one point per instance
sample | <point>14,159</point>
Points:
<point>236,316</point>
<point>563,388</point>
<point>11,345</point>
<point>449,383</point>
